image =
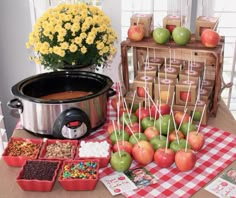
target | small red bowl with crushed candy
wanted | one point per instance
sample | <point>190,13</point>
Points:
<point>78,175</point>
<point>94,149</point>
<point>55,149</point>
<point>38,175</point>
<point>18,150</point>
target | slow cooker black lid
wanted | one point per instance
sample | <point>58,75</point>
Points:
<point>36,86</point>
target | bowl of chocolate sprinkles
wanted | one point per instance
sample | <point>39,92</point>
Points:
<point>38,175</point>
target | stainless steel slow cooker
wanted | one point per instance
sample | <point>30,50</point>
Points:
<point>65,118</point>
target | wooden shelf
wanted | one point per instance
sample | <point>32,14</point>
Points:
<point>212,56</point>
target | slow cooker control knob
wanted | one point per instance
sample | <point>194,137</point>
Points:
<point>72,124</point>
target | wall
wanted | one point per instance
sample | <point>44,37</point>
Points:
<point>14,62</point>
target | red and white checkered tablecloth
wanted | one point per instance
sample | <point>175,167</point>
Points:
<point>219,151</point>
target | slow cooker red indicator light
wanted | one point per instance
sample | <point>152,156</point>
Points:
<point>73,124</point>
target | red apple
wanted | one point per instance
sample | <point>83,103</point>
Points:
<point>110,127</point>
<point>173,135</point>
<point>164,109</point>
<point>123,145</point>
<point>134,126</point>
<point>136,32</point>
<point>154,112</point>
<point>151,132</point>
<point>184,96</point>
<point>123,110</point>
<point>114,102</point>
<point>143,152</point>
<point>196,140</point>
<point>142,112</point>
<point>179,116</point>
<point>170,28</point>
<point>185,160</point>
<point>210,38</point>
<point>164,158</point>
<point>141,92</point>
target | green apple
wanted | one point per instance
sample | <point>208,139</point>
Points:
<point>181,35</point>
<point>158,142</point>
<point>161,35</point>
<point>162,124</point>
<point>175,146</point>
<point>134,107</point>
<point>196,115</point>
<point>128,120</point>
<point>120,135</point>
<point>121,161</point>
<point>138,136</point>
<point>147,122</point>
<point>184,128</point>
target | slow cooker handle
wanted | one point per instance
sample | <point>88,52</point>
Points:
<point>111,92</point>
<point>15,104</point>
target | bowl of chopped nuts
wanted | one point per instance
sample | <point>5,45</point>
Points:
<point>55,149</point>
<point>18,150</point>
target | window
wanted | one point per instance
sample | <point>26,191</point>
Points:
<point>227,13</point>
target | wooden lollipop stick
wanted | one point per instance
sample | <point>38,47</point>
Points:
<point>132,103</point>
<point>203,111</point>
<point>176,131</point>
<point>167,137</point>
<point>187,135</point>
<point>118,146</point>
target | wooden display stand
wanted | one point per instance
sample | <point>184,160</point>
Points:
<point>212,56</point>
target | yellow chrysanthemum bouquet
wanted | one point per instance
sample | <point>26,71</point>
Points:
<point>72,34</point>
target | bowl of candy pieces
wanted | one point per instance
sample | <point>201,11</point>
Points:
<point>79,174</point>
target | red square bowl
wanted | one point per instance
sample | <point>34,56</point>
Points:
<point>18,150</point>
<point>54,149</point>
<point>95,149</point>
<point>79,174</point>
<point>38,175</point>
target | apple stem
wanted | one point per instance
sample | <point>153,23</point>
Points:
<point>167,137</point>
<point>203,111</point>
<point>132,103</point>
<point>187,135</point>
<point>176,131</point>
<point>118,146</point>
